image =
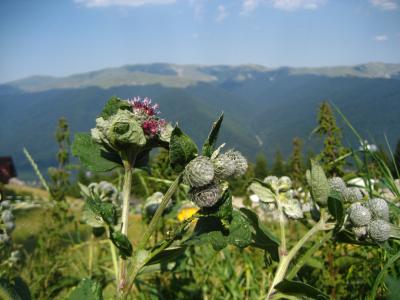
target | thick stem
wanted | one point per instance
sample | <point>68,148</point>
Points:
<point>128,162</point>
<point>135,266</point>
<point>286,260</point>
<point>282,248</point>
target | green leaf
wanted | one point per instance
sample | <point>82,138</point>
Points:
<point>262,238</point>
<point>92,155</point>
<point>209,144</point>
<point>8,291</point>
<point>336,209</point>
<point>298,288</point>
<point>240,233</point>
<point>393,285</point>
<point>121,241</point>
<point>209,230</point>
<point>105,210</point>
<point>112,106</point>
<point>262,191</point>
<point>87,289</point>
<point>167,255</point>
<point>319,186</point>
<point>181,150</point>
<point>22,288</point>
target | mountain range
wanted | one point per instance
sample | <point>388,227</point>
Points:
<point>265,108</point>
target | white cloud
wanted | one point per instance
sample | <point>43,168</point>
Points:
<point>385,4</point>
<point>134,3</point>
<point>222,13</point>
<point>297,4</point>
<point>288,5</point>
<point>381,38</point>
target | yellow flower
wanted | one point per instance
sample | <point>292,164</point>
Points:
<point>186,212</point>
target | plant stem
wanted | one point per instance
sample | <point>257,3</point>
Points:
<point>282,248</point>
<point>128,161</point>
<point>286,259</point>
<point>136,265</point>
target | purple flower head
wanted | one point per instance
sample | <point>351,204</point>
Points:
<point>151,127</point>
<point>144,105</point>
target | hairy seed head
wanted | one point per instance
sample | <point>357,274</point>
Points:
<point>240,162</point>
<point>359,215</point>
<point>224,166</point>
<point>206,196</point>
<point>379,208</point>
<point>379,230</point>
<point>199,172</point>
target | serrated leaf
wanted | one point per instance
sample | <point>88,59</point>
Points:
<point>92,155</point>
<point>181,149</point>
<point>122,242</point>
<point>209,144</point>
<point>262,238</point>
<point>112,106</point>
<point>240,233</point>
<point>87,289</point>
<point>298,288</point>
<point>319,186</point>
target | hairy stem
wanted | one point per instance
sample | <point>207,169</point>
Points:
<point>136,265</point>
<point>286,259</point>
<point>282,248</point>
<point>128,160</point>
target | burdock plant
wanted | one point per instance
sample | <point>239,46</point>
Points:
<point>125,133</point>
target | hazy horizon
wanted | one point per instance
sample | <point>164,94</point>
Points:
<point>60,38</point>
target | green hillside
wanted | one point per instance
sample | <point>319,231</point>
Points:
<point>270,106</point>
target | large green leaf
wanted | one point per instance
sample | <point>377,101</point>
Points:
<point>393,285</point>
<point>181,149</point>
<point>112,106</point>
<point>122,242</point>
<point>209,230</point>
<point>262,238</point>
<point>240,233</point>
<point>167,255</point>
<point>8,291</point>
<point>319,186</point>
<point>209,144</point>
<point>87,289</point>
<point>298,288</point>
<point>92,155</point>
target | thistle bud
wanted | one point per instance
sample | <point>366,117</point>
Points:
<point>7,216</point>
<point>284,183</point>
<point>359,215</point>
<point>240,162</point>
<point>352,194</point>
<point>379,230</point>
<point>199,172</point>
<point>360,232</point>
<point>379,208</point>
<point>10,226</point>
<point>206,196</point>
<point>224,166</point>
<point>5,204</point>
<point>337,185</point>
<point>4,238</point>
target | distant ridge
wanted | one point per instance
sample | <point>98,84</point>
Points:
<point>174,75</point>
<point>265,108</point>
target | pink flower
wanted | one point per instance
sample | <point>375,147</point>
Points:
<point>151,127</point>
<point>144,106</point>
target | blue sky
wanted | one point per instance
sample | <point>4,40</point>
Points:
<point>62,37</point>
